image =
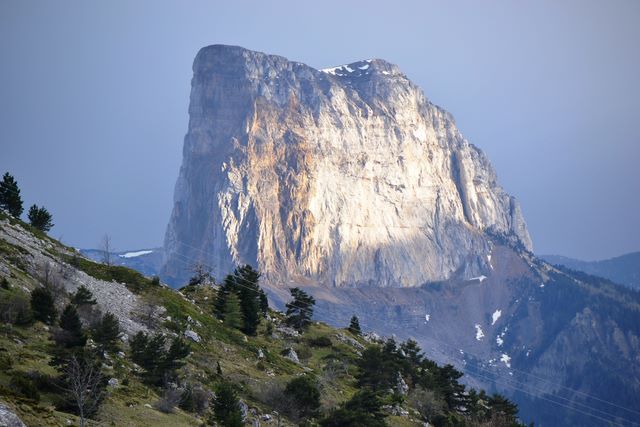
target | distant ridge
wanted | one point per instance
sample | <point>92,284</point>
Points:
<point>623,269</point>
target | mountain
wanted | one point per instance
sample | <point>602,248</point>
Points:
<point>281,376</point>
<point>146,261</point>
<point>347,176</point>
<point>624,269</point>
<point>348,183</point>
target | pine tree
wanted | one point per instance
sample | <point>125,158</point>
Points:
<point>232,314</point>
<point>42,306</point>
<point>40,218</point>
<point>73,335</point>
<point>226,408</point>
<point>354,326</point>
<point>106,333</point>
<point>250,298</point>
<point>300,310</point>
<point>151,354</point>
<point>83,296</point>
<point>253,301</point>
<point>10,196</point>
<point>138,345</point>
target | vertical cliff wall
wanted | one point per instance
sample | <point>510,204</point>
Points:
<point>346,176</point>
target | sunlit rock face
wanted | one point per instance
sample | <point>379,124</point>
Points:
<point>343,177</point>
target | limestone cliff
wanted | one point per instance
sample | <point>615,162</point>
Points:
<point>346,176</point>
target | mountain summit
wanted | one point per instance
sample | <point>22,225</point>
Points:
<point>346,176</point>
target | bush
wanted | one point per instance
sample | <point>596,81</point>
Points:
<point>322,341</point>
<point>195,399</point>
<point>305,395</point>
<point>23,386</point>
<point>43,306</point>
<point>15,310</point>
<point>304,352</point>
<point>168,402</point>
<point>4,284</point>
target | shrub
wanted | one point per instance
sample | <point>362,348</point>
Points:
<point>305,395</point>
<point>42,306</point>
<point>304,352</point>
<point>168,402</point>
<point>4,283</point>
<point>194,399</point>
<point>322,341</point>
<point>15,310</point>
<point>23,386</point>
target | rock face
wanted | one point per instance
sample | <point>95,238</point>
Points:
<point>343,177</point>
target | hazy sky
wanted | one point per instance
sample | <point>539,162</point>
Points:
<point>94,96</point>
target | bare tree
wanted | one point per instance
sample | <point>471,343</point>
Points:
<point>84,383</point>
<point>105,247</point>
<point>201,275</point>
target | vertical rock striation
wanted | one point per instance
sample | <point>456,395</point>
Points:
<point>346,176</point>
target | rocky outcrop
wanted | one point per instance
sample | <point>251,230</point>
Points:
<point>346,176</point>
<point>8,418</point>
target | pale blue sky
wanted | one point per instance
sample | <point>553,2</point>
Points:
<point>94,95</point>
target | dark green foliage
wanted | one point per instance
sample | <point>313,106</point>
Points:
<point>155,281</point>
<point>106,333</point>
<point>363,410</point>
<point>10,196</point>
<point>4,284</point>
<point>232,315</point>
<point>226,407</point>
<point>42,306</point>
<point>264,303</point>
<point>15,309</point>
<point>303,392</point>
<point>71,334</point>
<point>354,326</point>
<point>250,298</point>
<point>23,386</point>
<point>300,309</point>
<point>138,346</point>
<point>379,367</point>
<point>503,407</point>
<point>158,362</point>
<point>83,296</point>
<point>321,341</point>
<point>243,283</point>
<point>40,218</point>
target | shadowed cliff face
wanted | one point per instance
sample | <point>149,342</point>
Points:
<point>342,177</point>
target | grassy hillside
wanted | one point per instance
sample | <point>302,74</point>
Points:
<point>337,363</point>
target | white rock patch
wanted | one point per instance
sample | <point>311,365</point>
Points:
<point>495,316</point>
<point>506,359</point>
<point>479,332</point>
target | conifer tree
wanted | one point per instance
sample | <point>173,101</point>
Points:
<point>226,407</point>
<point>73,335</point>
<point>253,302</point>
<point>106,333</point>
<point>138,345</point>
<point>40,218</point>
<point>354,326</point>
<point>232,314</point>
<point>83,296</point>
<point>250,298</point>
<point>42,306</point>
<point>10,196</point>
<point>300,309</point>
